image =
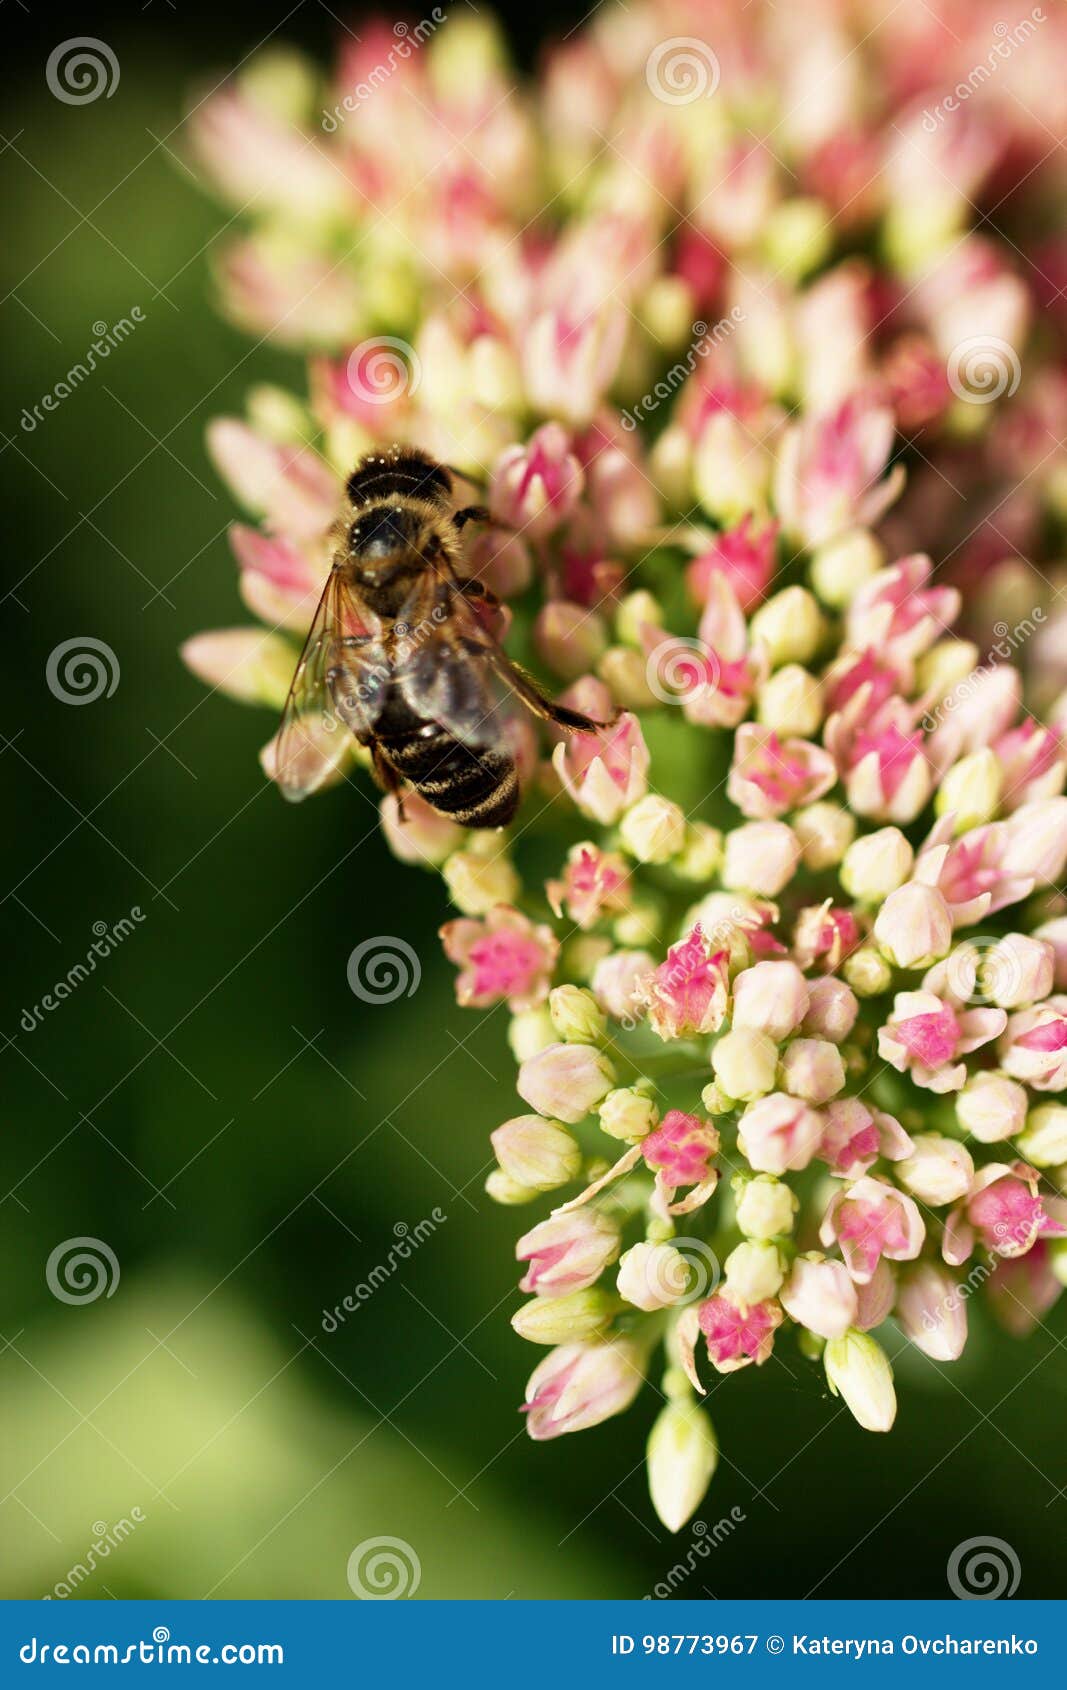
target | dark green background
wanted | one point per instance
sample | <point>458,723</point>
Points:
<point>258,1458</point>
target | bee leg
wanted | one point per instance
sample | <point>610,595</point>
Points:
<point>470,513</point>
<point>475,589</point>
<point>388,780</point>
<point>526,689</point>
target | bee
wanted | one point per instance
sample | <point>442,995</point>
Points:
<point>406,654</point>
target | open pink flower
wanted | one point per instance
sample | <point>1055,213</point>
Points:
<point>1003,1210</point>
<point>888,776</point>
<point>769,776</point>
<point>716,675</point>
<point>1033,763</point>
<point>604,773</point>
<point>869,1220</point>
<point>689,992</point>
<point>502,958</point>
<point>594,883</point>
<point>1034,1046</point>
<point>738,1335</point>
<point>926,1036</point>
<point>681,1149</point>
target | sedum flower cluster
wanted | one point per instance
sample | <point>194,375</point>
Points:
<point>711,310</point>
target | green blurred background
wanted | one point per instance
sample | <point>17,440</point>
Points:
<point>244,1134</point>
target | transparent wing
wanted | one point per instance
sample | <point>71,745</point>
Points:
<point>312,741</point>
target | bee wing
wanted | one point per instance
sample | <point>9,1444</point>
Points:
<point>311,742</point>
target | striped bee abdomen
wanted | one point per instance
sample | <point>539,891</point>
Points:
<point>476,785</point>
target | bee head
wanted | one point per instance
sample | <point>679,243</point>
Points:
<point>384,533</point>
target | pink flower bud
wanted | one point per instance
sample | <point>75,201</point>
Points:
<point>579,1385</point>
<point>534,487</point>
<point>502,958</point>
<point>290,486</point>
<point>819,1295</point>
<point>939,1170</point>
<point>832,1010</point>
<point>932,1311</point>
<point>1006,1210</point>
<point>248,664</point>
<point>830,468</point>
<point>772,998</point>
<point>1034,1046</point>
<point>618,981</point>
<point>824,936</point>
<point>565,1081</point>
<point>914,926</point>
<point>812,1069</point>
<point>737,1334</point>
<point>424,836</point>
<point>681,1148</point>
<point>604,773</point>
<point>569,359</point>
<point>567,1252</point>
<point>761,857</point>
<point>854,1136</point>
<point>689,993</point>
<point>779,1134</point>
<point>876,1297</point>
<point>743,556</point>
<point>991,1107</point>
<point>869,1220</point>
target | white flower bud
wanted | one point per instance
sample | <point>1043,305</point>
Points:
<point>754,1271</point>
<point>790,703</point>
<point>745,1062</point>
<point>530,1031</point>
<point>825,832</point>
<point>789,625</point>
<point>576,1015</point>
<point>876,864</point>
<point>636,611</point>
<point>1044,1139</point>
<point>653,1276</point>
<point>572,1319</point>
<point>766,1207</point>
<point>478,882</point>
<point>971,790</point>
<point>653,829</point>
<point>844,564</point>
<point>857,1368</point>
<point>867,972</point>
<point>627,1114</point>
<point>682,1457</point>
<point>939,1170</point>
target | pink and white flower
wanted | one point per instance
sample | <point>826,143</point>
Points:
<point>504,958</point>
<point>870,1220</point>
<point>604,773</point>
<point>738,1334</point>
<point>688,994</point>
<point>769,776</point>
<point>926,1036</point>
